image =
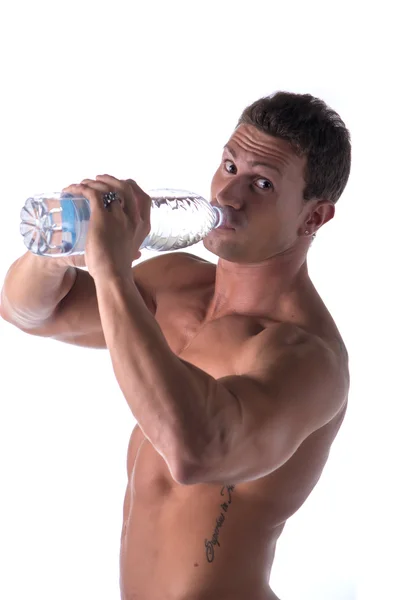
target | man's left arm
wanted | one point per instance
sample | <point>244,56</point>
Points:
<point>234,429</point>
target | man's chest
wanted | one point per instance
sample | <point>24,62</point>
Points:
<point>218,347</point>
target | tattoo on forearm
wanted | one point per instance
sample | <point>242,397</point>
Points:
<point>209,544</point>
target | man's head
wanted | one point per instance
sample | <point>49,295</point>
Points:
<point>282,171</point>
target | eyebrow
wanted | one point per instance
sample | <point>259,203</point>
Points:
<point>254,163</point>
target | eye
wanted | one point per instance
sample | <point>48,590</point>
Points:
<point>264,184</point>
<point>230,167</point>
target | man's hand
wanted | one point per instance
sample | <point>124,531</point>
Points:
<point>115,234</point>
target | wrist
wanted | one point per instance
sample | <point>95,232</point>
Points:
<point>113,278</point>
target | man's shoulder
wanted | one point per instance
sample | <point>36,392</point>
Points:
<point>286,339</point>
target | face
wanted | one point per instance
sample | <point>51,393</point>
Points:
<point>260,185</point>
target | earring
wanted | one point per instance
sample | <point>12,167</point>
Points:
<point>307,232</point>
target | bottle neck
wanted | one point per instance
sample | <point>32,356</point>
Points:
<point>219,217</point>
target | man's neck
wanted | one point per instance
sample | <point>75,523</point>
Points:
<point>257,289</point>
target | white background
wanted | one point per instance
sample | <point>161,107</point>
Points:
<point>152,91</point>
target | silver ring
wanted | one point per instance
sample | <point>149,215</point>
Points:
<point>108,198</point>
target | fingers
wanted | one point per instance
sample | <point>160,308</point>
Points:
<point>112,184</point>
<point>126,188</point>
<point>145,200</point>
<point>122,184</point>
<point>96,185</point>
<point>134,201</point>
<point>113,181</point>
<point>91,191</point>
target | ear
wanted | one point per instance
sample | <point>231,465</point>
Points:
<point>319,213</point>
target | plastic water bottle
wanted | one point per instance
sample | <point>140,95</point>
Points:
<point>56,224</point>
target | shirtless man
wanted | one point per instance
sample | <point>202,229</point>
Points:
<point>236,373</point>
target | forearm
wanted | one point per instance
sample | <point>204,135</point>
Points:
<point>168,398</point>
<point>33,287</point>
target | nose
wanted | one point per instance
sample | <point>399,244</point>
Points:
<point>230,194</point>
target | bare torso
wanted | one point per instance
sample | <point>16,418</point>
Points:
<point>198,542</point>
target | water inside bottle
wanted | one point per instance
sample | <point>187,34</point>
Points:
<point>181,219</point>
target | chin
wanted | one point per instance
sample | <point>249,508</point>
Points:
<point>225,249</point>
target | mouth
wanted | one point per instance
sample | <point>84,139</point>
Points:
<point>226,220</point>
<point>224,228</point>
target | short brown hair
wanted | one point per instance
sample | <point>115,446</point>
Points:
<point>313,129</point>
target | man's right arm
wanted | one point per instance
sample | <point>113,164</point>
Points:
<point>44,297</point>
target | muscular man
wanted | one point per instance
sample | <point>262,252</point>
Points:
<point>236,373</point>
